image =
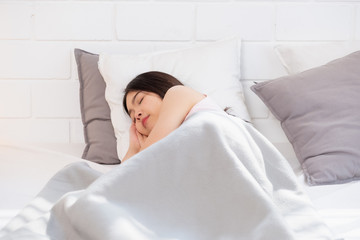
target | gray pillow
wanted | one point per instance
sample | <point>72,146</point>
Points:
<point>319,110</point>
<point>95,112</point>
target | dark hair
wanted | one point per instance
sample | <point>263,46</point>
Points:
<point>156,82</point>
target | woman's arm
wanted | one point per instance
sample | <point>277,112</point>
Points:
<point>177,103</point>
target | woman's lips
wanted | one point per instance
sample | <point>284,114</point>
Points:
<point>144,120</point>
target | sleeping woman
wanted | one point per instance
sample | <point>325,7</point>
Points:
<point>224,180</point>
<point>158,103</point>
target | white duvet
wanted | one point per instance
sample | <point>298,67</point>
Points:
<point>215,177</point>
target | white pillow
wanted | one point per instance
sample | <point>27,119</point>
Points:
<point>297,58</point>
<point>213,69</point>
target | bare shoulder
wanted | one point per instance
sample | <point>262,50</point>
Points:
<point>177,102</point>
<point>183,93</point>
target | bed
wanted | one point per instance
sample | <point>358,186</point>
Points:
<point>309,208</point>
<point>337,204</point>
<point>25,170</point>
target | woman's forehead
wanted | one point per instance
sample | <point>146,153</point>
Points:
<point>130,97</point>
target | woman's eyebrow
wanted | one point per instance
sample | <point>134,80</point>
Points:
<point>133,100</point>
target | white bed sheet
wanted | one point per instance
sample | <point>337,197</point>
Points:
<point>24,171</point>
<point>338,204</point>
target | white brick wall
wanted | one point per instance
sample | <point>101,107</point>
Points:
<point>15,21</point>
<point>155,21</point>
<point>39,100</point>
<point>357,23</point>
<point>73,21</point>
<point>250,21</point>
<point>34,60</point>
<point>325,22</point>
<point>15,97</point>
<point>52,99</point>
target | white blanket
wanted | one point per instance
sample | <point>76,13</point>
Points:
<point>215,177</point>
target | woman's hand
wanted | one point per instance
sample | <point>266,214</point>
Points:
<point>141,139</point>
<point>136,142</point>
<point>137,139</point>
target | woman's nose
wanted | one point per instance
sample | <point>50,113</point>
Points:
<point>138,114</point>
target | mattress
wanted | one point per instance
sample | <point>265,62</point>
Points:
<point>338,204</point>
<point>24,171</point>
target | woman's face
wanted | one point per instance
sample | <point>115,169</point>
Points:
<point>144,109</point>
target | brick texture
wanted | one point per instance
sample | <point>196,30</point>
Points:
<point>39,89</point>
